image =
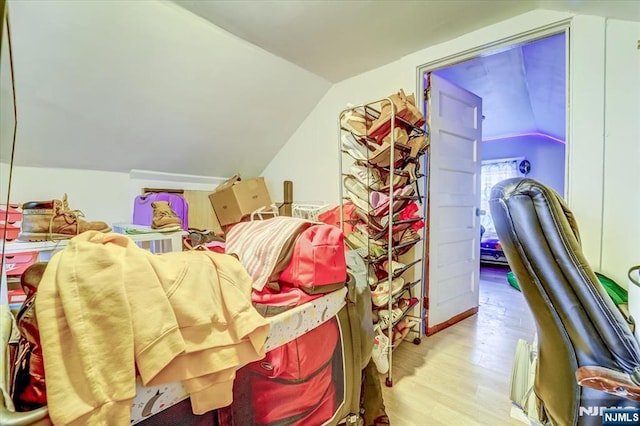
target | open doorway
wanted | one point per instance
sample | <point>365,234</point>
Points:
<point>522,116</point>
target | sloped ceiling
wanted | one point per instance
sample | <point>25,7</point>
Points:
<point>522,89</point>
<point>147,85</point>
<point>340,39</point>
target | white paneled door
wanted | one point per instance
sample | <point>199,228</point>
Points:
<point>455,123</point>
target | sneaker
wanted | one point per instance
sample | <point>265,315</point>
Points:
<point>379,353</point>
<point>380,296</point>
<point>53,220</point>
<point>385,319</point>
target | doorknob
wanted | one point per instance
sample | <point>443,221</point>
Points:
<point>480,212</point>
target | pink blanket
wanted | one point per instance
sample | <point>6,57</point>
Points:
<point>264,247</point>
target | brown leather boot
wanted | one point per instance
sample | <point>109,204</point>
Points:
<point>54,220</point>
<point>164,217</point>
<point>28,384</point>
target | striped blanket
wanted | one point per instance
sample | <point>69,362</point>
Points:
<point>264,247</point>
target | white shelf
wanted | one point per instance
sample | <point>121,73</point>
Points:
<point>156,240</point>
<point>22,246</point>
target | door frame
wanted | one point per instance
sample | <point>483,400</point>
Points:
<point>563,26</point>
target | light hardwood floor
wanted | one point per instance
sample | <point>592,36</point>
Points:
<point>461,376</point>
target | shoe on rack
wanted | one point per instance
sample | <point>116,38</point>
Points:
<point>357,192</point>
<point>405,108</point>
<point>368,176</point>
<point>53,220</point>
<point>380,296</point>
<point>407,236</point>
<point>164,218</point>
<point>395,267</point>
<point>365,248</point>
<point>381,157</point>
<point>385,318</point>
<point>372,277</point>
<point>354,149</point>
<point>355,121</point>
<point>381,201</point>
<point>418,145</point>
<point>411,211</point>
<point>402,177</point>
<point>399,334</point>
<point>401,200</point>
<point>364,230</point>
<point>400,137</point>
<point>411,113</point>
<point>406,303</point>
<point>379,353</point>
<point>405,323</point>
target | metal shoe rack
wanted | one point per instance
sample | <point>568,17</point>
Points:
<point>378,234</point>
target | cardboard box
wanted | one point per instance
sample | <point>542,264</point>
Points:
<point>234,202</point>
<point>228,183</point>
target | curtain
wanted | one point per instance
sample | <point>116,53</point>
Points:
<point>492,172</point>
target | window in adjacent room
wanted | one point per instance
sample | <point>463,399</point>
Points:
<point>492,172</point>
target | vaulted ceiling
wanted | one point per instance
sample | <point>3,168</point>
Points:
<point>523,89</point>
<point>147,85</point>
<point>339,39</point>
<point>212,87</point>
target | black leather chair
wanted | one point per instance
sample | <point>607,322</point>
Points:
<point>588,358</point>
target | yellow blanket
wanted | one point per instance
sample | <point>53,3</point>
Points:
<point>106,306</point>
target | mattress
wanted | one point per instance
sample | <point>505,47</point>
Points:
<point>284,328</point>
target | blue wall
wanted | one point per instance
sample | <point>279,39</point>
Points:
<point>546,157</point>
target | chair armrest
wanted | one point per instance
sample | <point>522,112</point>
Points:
<point>610,381</point>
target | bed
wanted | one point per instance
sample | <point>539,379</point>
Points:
<point>168,404</point>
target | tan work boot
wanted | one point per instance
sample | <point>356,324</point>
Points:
<point>53,220</point>
<point>164,217</point>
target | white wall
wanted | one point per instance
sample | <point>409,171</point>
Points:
<point>621,208</point>
<point>106,196</point>
<point>310,157</point>
<point>547,156</point>
<point>99,195</point>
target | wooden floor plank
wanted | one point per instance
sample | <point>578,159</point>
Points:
<point>461,376</point>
